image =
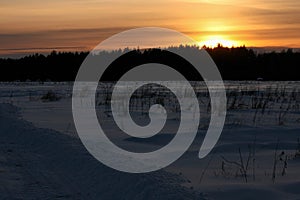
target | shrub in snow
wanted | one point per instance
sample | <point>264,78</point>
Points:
<point>50,96</point>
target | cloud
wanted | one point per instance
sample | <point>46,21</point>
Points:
<point>72,39</point>
<point>73,23</point>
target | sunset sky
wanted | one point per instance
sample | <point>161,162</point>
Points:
<point>40,26</point>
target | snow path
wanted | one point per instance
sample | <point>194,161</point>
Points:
<point>44,164</point>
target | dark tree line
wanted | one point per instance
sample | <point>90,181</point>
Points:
<point>237,63</point>
<point>38,67</point>
<point>244,64</point>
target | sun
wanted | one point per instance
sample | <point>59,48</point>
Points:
<point>215,40</point>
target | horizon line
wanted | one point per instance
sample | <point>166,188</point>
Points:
<point>48,50</point>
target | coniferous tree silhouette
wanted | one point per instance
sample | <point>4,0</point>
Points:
<point>237,63</point>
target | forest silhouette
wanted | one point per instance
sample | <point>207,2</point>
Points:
<point>236,63</point>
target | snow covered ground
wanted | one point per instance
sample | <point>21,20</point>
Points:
<point>257,156</point>
<point>40,163</point>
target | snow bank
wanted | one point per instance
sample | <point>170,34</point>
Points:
<point>44,164</point>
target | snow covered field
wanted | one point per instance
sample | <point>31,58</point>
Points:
<point>257,156</point>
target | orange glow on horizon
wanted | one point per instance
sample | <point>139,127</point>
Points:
<point>214,40</point>
<point>38,26</point>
